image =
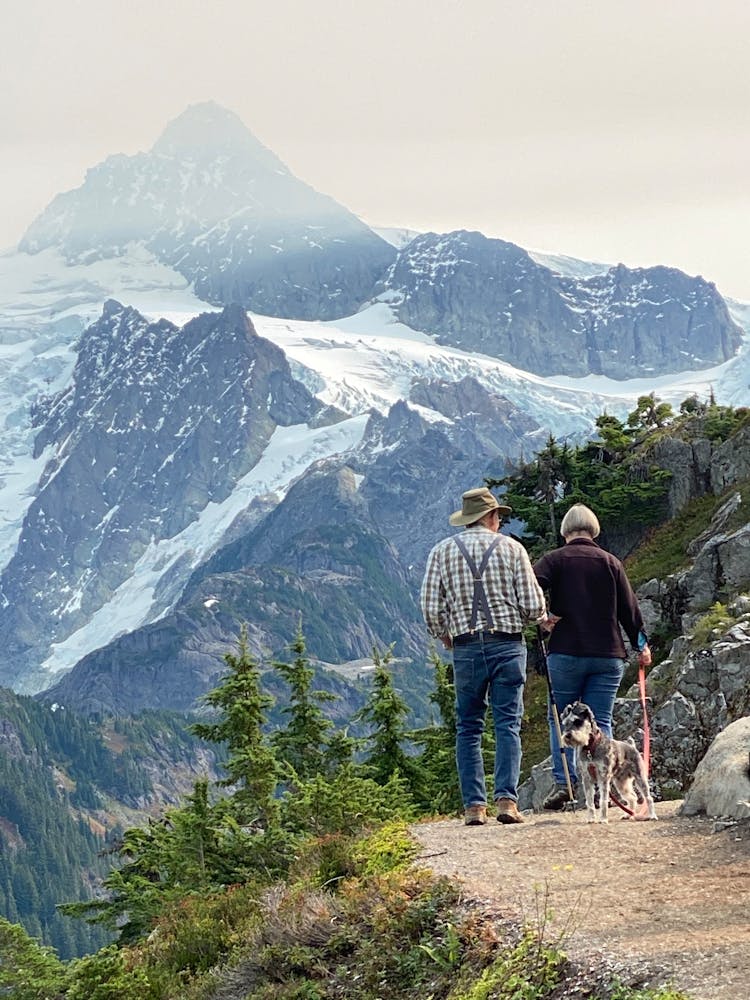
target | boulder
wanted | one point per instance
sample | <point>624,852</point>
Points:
<point>722,779</point>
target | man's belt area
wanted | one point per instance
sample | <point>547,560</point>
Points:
<point>484,635</point>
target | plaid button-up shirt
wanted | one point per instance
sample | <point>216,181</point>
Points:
<point>513,594</point>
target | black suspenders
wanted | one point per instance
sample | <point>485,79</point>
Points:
<point>477,572</point>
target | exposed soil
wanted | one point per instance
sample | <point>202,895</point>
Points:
<point>670,897</point>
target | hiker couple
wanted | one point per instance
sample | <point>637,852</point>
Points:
<point>478,592</point>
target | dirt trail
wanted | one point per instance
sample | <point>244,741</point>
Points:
<point>671,895</point>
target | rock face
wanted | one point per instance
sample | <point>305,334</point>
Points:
<point>157,423</point>
<point>730,461</point>
<point>722,779</point>
<point>211,201</point>
<point>418,469</point>
<point>316,558</point>
<point>701,688</point>
<point>695,693</point>
<point>491,296</point>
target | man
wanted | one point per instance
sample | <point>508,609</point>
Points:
<point>478,591</point>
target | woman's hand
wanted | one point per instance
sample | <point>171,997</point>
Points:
<point>549,622</point>
<point>644,657</point>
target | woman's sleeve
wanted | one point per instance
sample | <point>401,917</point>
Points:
<point>628,611</point>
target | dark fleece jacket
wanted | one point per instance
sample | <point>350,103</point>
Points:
<point>590,592</point>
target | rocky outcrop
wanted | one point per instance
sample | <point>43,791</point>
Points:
<point>689,463</point>
<point>480,420</point>
<point>730,461</point>
<point>695,693</point>
<point>721,568</point>
<point>490,296</point>
<point>721,786</point>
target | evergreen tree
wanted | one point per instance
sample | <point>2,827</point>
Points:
<point>614,436</point>
<point>385,712</point>
<point>28,971</point>
<point>441,792</point>
<point>251,765</point>
<point>184,852</point>
<point>608,474</point>
<point>649,414</point>
<point>304,742</point>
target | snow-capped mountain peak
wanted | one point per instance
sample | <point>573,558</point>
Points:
<point>306,457</point>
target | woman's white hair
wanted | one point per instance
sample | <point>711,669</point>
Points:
<point>580,518</point>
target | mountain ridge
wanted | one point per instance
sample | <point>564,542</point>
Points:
<point>411,416</point>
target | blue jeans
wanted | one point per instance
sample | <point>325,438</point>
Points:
<point>593,680</point>
<point>491,671</point>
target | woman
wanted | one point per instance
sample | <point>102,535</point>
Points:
<point>589,598</point>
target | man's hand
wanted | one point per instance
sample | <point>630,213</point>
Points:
<point>447,641</point>
<point>644,657</point>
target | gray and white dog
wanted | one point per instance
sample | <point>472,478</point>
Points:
<point>605,765</point>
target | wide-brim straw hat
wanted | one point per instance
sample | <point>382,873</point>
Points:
<point>475,504</point>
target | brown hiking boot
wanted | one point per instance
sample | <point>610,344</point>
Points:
<point>507,811</point>
<point>475,815</point>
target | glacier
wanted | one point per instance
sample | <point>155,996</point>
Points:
<point>361,363</point>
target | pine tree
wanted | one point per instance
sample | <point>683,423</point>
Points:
<point>28,971</point>
<point>614,436</point>
<point>251,765</point>
<point>441,793</point>
<point>649,414</point>
<point>304,742</point>
<point>385,712</point>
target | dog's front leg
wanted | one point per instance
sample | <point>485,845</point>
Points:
<point>587,781</point>
<point>604,783</point>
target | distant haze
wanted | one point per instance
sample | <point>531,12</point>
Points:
<point>608,131</point>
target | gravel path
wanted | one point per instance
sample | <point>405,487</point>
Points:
<point>671,895</point>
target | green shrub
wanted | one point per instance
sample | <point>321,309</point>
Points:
<point>716,619</point>
<point>198,932</point>
<point>529,971</point>
<point>665,549</point>
<point>390,848</point>
<point>345,803</point>
<point>107,976</point>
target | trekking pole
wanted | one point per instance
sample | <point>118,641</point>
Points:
<point>555,716</point>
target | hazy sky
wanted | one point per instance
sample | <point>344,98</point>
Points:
<point>615,130</point>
